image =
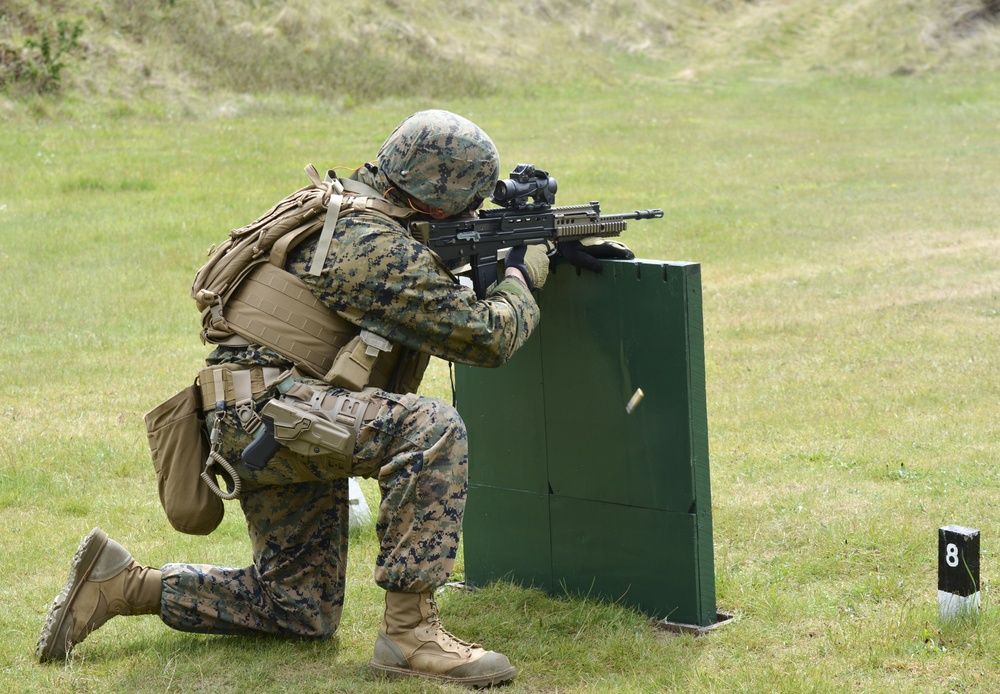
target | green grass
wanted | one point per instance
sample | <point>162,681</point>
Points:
<point>848,233</point>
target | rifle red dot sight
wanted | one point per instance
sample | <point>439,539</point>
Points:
<point>525,182</point>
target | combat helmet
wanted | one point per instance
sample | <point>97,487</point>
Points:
<point>441,159</point>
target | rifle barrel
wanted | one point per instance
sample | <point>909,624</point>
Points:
<point>638,214</point>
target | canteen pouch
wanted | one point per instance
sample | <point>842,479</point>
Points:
<point>180,448</point>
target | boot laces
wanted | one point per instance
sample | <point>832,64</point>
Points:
<point>434,620</point>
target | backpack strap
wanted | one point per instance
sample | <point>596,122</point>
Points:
<point>326,236</point>
<point>346,195</point>
<point>360,188</point>
<point>374,200</point>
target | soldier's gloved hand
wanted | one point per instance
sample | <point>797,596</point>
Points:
<point>532,261</point>
<point>588,252</point>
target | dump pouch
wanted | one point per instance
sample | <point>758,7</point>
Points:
<point>177,441</point>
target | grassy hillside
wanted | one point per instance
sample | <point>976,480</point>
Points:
<point>189,54</point>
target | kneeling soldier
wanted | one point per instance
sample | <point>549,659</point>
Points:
<point>394,303</point>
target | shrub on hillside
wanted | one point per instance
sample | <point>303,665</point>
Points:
<point>39,62</point>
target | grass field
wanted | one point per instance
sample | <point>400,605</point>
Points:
<point>848,232</point>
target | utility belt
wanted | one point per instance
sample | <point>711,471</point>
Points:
<point>239,387</point>
<point>278,412</point>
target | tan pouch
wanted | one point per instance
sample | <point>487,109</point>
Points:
<point>353,367</point>
<point>176,432</point>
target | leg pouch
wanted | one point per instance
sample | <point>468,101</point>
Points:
<point>177,440</point>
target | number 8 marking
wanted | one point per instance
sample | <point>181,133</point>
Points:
<point>951,554</point>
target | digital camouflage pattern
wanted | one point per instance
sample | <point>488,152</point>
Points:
<point>441,159</point>
<point>380,278</point>
<point>416,447</point>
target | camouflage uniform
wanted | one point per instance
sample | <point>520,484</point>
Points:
<point>379,278</point>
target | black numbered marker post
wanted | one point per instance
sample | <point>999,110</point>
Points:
<point>958,572</point>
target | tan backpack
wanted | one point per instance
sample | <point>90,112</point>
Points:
<point>245,295</point>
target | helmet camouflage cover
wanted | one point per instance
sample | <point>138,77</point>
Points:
<point>441,159</point>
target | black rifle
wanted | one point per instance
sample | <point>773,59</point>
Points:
<point>478,240</point>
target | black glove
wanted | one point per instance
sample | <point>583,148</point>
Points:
<point>588,252</point>
<point>532,261</point>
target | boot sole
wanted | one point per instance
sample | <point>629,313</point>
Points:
<point>54,641</point>
<point>480,681</point>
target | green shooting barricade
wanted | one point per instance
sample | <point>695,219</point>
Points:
<point>568,491</point>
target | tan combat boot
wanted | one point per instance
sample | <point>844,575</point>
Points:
<point>412,643</point>
<point>103,582</point>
